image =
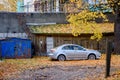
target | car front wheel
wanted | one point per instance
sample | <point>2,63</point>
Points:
<point>61,58</point>
<point>91,57</point>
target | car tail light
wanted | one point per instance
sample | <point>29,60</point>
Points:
<point>52,50</point>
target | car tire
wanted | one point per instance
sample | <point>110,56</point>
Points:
<point>61,58</point>
<point>91,57</point>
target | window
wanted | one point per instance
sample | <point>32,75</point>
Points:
<point>77,48</point>
<point>67,48</point>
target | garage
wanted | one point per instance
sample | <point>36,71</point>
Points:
<point>15,48</point>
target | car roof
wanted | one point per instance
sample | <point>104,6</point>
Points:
<point>69,44</point>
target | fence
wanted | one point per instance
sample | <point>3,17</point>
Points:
<point>18,35</point>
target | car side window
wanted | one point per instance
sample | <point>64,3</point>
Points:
<point>67,48</point>
<point>77,48</point>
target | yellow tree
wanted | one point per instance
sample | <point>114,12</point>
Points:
<point>8,5</point>
<point>84,19</point>
<point>13,5</point>
<point>1,7</point>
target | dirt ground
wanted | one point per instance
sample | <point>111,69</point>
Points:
<point>45,69</point>
<point>62,73</point>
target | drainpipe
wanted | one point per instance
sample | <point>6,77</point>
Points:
<point>28,3</point>
<point>57,5</point>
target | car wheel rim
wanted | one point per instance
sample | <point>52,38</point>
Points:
<point>61,58</point>
<point>92,57</point>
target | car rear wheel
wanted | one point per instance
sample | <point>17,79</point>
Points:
<point>91,57</point>
<point>61,58</point>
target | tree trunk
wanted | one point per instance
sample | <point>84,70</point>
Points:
<point>117,30</point>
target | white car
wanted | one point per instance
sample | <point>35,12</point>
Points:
<point>73,52</point>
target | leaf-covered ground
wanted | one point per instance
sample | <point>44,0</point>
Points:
<point>42,68</point>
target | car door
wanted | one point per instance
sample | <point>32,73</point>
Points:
<point>79,52</point>
<point>69,52</point>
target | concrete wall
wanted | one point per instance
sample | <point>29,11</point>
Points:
<point>46,18</point>
<point>10,22</point>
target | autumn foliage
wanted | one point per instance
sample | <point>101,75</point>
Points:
<point>13,67</point>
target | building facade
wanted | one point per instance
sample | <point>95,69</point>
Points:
<point>20,6</point>
<point>46,37</point>
<point>10,26</point>
<point>42,6</point>
<point>44,42</point>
